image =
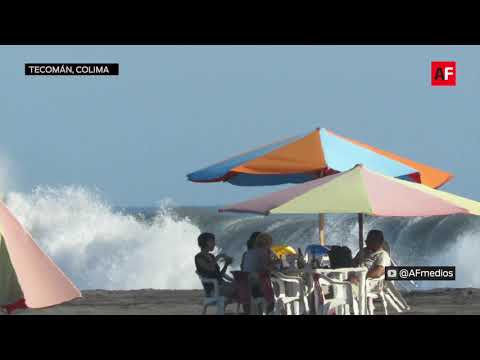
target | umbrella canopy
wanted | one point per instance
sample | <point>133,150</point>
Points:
<point>310,156</point>
<point>359,190</point>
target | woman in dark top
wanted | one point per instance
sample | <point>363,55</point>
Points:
<point>250,246</point>
<point>207,267</point>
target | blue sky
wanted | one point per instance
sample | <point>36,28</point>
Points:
<point>175,109</point>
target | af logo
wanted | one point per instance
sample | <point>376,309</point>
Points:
<point>444,73</point>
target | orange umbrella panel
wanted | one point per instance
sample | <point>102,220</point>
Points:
<point>310,156</point>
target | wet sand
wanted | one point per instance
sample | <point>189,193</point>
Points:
<point>188,302</point>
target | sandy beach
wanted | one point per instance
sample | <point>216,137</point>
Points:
<point>188,302</point>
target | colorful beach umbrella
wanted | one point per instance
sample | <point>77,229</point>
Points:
<point>314,155</point>
<point>359,190</point>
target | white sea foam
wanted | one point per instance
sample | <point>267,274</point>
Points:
<point>98,247</point>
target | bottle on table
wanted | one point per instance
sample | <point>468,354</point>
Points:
<point>300,259</point>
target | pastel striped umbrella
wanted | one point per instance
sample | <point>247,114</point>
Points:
<point>314,155</point>
<point>359,190</point>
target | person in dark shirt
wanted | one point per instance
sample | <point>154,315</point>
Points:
<point>207,266</point>
<point>250,246</point>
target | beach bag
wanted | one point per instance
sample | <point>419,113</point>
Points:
<point>340,257</point>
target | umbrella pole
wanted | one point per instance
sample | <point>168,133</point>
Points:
<point>321,228</point>
<point>360,232</point>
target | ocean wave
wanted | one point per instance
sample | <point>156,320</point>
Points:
<point>102,247</point>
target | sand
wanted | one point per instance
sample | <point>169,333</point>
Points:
<point>188,302</point>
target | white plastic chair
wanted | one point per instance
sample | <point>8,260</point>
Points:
<point>390,292</point>
<point>395,297</point>
<point>378,289</point>
<point>342,300</point>
<point>291,301</point>
<point>214,299</point>
<point>374,292</point>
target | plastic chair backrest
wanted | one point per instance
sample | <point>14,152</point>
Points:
<point>207,287</point>
<point>376,285</point>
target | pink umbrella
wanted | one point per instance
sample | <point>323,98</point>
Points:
<point>34,280</point>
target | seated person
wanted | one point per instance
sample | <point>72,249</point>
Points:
<point>250,246</point>
<point>373,256</point>
<point>261,258</point>
<point>207,267</point>
<point>259,262</point>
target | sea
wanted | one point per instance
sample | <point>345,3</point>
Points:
<point>100,246</point>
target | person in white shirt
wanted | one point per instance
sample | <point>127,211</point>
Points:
<point>373,257</point>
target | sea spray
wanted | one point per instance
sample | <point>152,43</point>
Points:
<point>98,247</point>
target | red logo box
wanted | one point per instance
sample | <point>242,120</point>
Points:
<point>444,73</point>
